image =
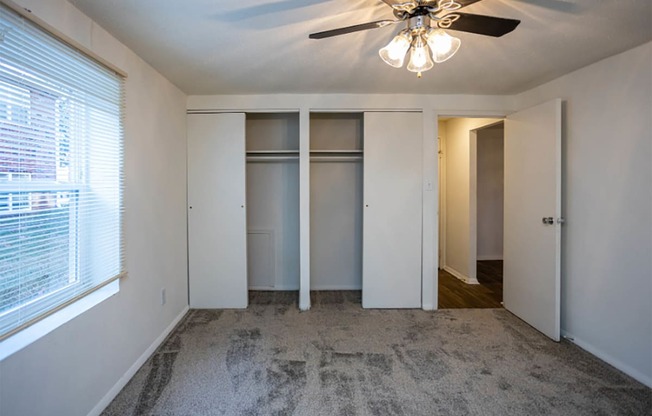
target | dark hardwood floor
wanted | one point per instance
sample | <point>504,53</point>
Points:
<point>453,293</point>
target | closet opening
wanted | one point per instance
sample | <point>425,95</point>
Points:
<point>336,178</point>
<point>272,193</point>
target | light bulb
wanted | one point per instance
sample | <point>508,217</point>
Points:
<point>394,53</point>
<point>419,57</point>
<point>442,44</point>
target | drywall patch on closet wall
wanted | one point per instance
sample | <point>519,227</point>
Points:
<point>336,201</point>
<point>272,201</point>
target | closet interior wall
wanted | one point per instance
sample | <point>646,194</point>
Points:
<point>272,177</point>
<point>336,177</point>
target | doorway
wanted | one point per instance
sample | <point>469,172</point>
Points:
<point>471,212</point>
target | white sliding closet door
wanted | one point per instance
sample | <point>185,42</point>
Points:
<point>391,253</point>
<point>217,224</point>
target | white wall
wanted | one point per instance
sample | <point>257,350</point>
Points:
<point>458,170</point>
<point>336,225</point>
<point>69,371</point>
<point>607,193</point>
<point>273,225</point>
<point>490,192</point>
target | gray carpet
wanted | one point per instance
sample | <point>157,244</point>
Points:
<point>338,359</point>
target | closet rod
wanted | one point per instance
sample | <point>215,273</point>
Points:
<point>272,158</point>
<point>335,158</point>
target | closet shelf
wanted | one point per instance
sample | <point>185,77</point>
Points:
<point>271,152</point>
<point>336,152</point>
<point>272,155</point>
<point>335,155</point>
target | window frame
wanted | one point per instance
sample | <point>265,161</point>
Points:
<point>106,287</point>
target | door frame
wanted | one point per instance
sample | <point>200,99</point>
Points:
<point>441,201</point>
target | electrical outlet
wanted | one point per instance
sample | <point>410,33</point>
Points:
<point>163,299</point>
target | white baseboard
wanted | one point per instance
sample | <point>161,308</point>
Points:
<point>108,398</point>
<point>489,257</point>
<point>630,371</point>
<point>461,276</point>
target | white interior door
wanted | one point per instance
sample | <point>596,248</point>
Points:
<point>217,225</point>
<point>532,233</point>
<point>391,253</point>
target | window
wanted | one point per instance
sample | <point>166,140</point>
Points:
<point>61,134</point>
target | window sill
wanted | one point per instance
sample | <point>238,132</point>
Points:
<point>34,332</point>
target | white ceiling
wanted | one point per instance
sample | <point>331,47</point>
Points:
<point>261,47</point>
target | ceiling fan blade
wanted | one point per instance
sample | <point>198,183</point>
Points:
<point>465,3</point>
<point>351,29</point>
<point>565,6</point>
<point>481,25</point>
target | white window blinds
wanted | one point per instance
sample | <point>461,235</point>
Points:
<point>61,156</point>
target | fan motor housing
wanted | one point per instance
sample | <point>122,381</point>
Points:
<point>418,24</point>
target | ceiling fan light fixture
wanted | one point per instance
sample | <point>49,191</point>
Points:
<point>420,60</point>
<point>394,53</point>
<point>442,45</point>
<point>424,37</point>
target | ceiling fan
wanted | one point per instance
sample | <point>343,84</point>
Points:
<point>424,33</point>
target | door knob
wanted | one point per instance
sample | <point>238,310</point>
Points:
<point>548,220</point>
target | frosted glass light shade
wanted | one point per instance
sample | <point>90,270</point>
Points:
<point>442,45</point>
<point>419,57</point>
<point>394,53</point>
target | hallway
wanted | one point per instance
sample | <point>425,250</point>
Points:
<point>455,294</point>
